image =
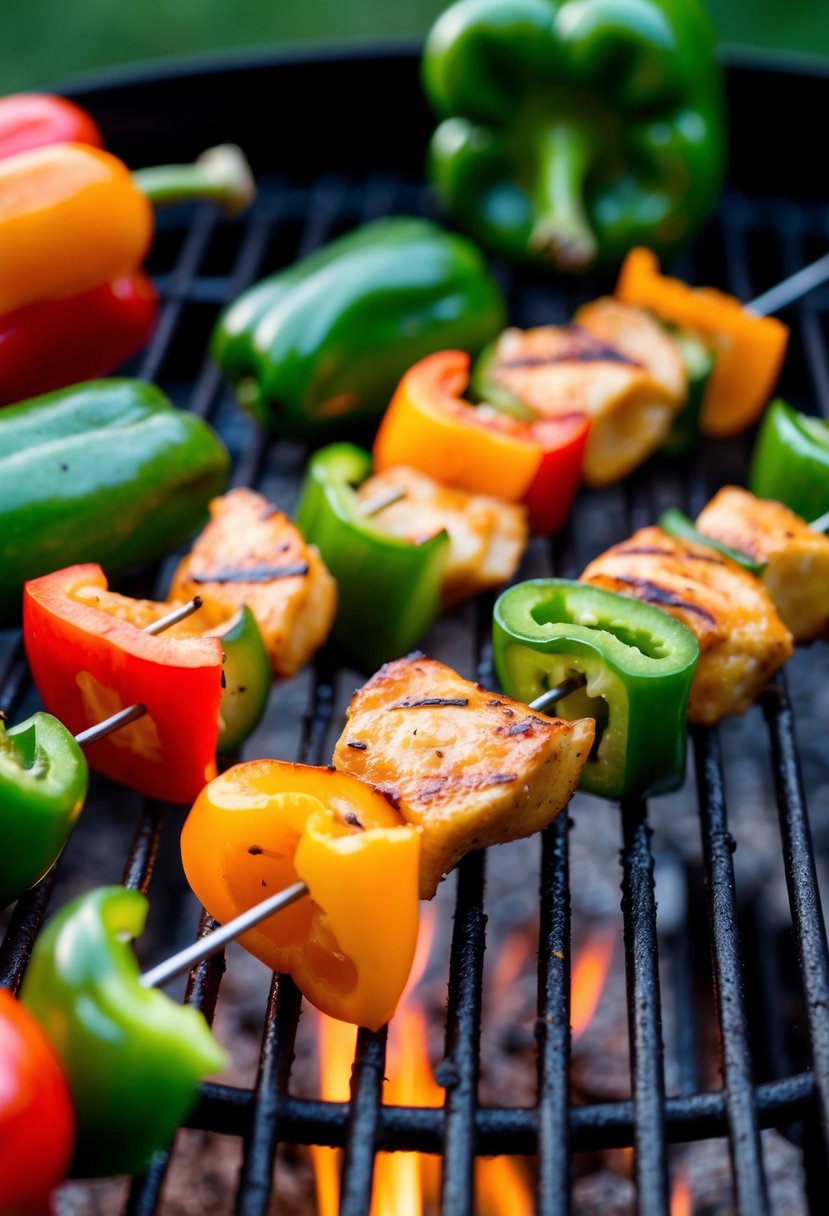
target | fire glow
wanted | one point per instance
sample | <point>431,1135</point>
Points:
<point>408,1184</point>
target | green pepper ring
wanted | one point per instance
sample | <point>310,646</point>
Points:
<point>639,663</point>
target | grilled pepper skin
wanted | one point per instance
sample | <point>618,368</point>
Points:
<point>389,589</point>
<point>791,461</point>
<point>43,783</point>
<point>88,664</point>
<point>105,471</point>
<point>320,346</point>
<point>32,120</point>
<point>133,1057</point>
<point>639,668</point>
<point>574,130</point>
<point>262,825</point>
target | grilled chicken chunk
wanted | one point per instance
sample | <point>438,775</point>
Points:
<point>616,364</point>
<point>797,571</point>
<point>486,536</point>
<point>741,638</point>
<point>250,553</point>
<point>469,767</point>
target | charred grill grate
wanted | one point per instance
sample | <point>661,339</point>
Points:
<point>201,262</point>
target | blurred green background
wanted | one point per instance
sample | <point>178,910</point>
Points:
<point>48,41</point>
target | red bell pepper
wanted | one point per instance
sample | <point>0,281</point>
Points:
<point>37,1120</point>
<point>430,427</point>
<point>56,342</point>
<point>32,120</point>
<point>87,664</point>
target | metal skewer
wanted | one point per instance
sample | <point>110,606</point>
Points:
<point>178,963</point>
<point>133,712</point>
<point>791,289</point>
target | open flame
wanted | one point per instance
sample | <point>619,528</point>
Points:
<point>407,1184</point>
<point>590,968</point>
<point>682,1201</point>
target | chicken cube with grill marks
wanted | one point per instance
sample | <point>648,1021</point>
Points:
<point>797,558</point>
<point>251,553</point>
<point>469,767</point>
<point>741,637</point>
<point>615,364</point>
<point>486,536</point>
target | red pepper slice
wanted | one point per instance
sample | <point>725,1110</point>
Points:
<point>87,665</point>
<point>430,427</point>
<point>32,120</point>
<point>56,342</point>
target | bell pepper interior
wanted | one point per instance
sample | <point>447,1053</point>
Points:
<point>264,824</point>
<point>560,609</point>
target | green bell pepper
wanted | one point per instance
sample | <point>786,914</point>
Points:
<point>133,1057</point>
<point>389,589</point>
<point>638,663</point>
<point>43,783</point>
<point>321,345</point>
<point>699,361</point>
<point>576,129</point>
<point>791,461</point>
<point>106,471</point>
<point>246,679</point>
<point>678,525</point>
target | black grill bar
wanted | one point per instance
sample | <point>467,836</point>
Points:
<point>553,1025</point>
<point>718,847</point>
<point>363,1122</point>
<point>644,1018</point>
<point>801,879</point>
<point>276,1057</point>
<point>458,1073</point>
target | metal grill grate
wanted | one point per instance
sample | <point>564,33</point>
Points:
<point>200,262</point>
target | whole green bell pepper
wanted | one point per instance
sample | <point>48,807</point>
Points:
<point>389,589</point>
<point>638,662</point>
<point>321,345</point>
<point>43,783</point>
<point>791,461</point>
<point>576,129</point>
<point>106,471</point>
<point>133,1057</point>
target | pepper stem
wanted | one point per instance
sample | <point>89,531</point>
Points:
<point>562,233</point>
<point>221,174</point>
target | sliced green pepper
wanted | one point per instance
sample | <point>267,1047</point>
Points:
<point>43,783</point>
<point>106,471</point>
<point>246,679</point>
<point>699,361</point>
<point>576,129</point>
<point>389,589</point>
<point>680,527</point>
<point>133,1057</point>
<point>791,461</point>
<point>321,345</point>
<point>638,663</point>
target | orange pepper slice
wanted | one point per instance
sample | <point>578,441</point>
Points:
<point>750,349</point>
<point>71,218</point>
<point>264,824</point>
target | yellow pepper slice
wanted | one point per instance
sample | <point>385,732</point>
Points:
<point>262,825</point>
<point>750,349</point>
<point>71,217</point>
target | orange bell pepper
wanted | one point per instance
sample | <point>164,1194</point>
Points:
<point>430,427</point>
<point>262,825</point>
<point>87,664</point>
<point>71,217</point>
<point>750,349</point>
